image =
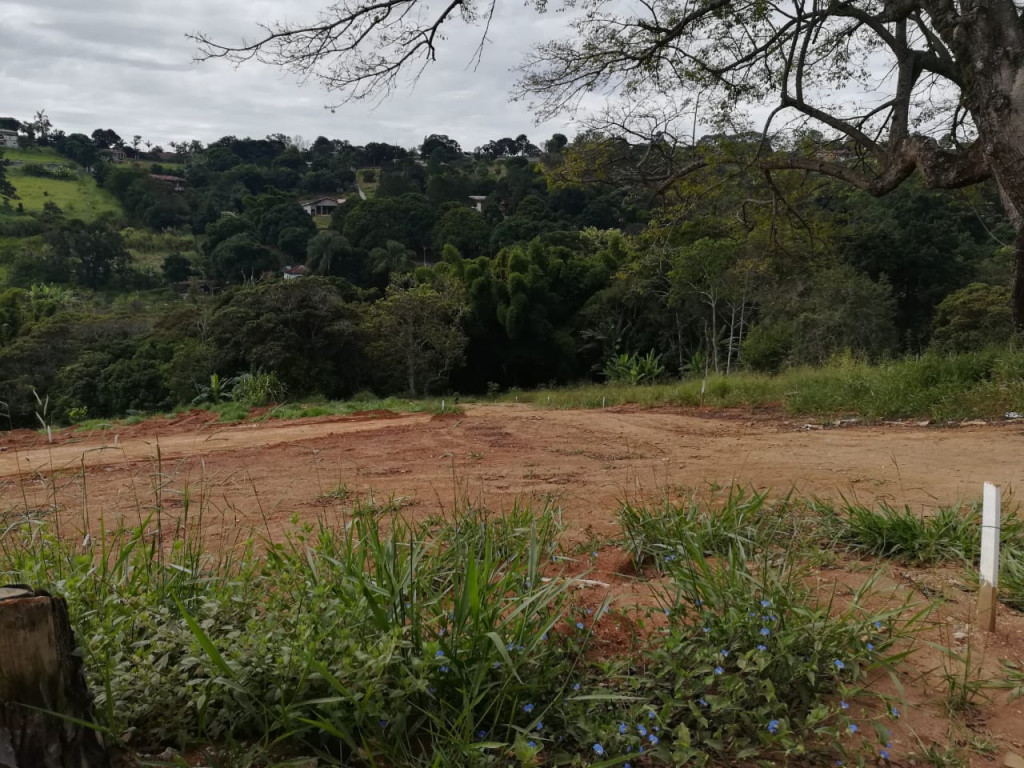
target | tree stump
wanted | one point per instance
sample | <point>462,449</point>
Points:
<point>42,687</point>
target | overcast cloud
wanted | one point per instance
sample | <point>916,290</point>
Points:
<point>126,65</point>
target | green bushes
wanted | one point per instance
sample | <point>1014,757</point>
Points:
<point>20,226</point>
<point>49,171</point>
<point>770,664</point>
<point>950,534</point>
<point>455,642</point>
<point>983,384</point>
<point>972,318</point>
<point>634,369</point>
<point>744,521</point>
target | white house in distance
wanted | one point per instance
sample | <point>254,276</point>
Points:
<point>322,206</point>
<point>8,138</point>
<point>477,201</point>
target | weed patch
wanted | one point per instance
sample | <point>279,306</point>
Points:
<point>459,641</point>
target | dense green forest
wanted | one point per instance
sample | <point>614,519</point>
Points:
<point>168,280</point>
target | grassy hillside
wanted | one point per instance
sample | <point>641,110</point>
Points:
<point>80,198</point>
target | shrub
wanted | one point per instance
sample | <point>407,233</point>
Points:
<point>950,534</point>
<point>972,318</point>
<point>256,389</point>
<point>633,369</point>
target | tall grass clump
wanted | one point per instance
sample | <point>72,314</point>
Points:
<point>356,643</point>
<point>951,533</point>
<point>1011,576</point>
<point>744,519</point>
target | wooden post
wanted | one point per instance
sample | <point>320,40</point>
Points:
<point>990,524</point>
<point>40,674</point>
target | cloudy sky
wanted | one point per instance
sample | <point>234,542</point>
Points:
<point>126,65</point>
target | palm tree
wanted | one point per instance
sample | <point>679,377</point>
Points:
<point>393,258</point>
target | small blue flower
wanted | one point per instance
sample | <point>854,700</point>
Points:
<point>589,611</point>
<point>773,727</point>
<point>599,749</point>
<point>540,725</point>
<point>622,728</point>
<point>383,723</point>
<point>651,715</point>
<point>641,730</point>
<point>766,603</point>
<point>762,647</point>
<point>878,625</point>
<point>576,686</point>
<point>444,669</point>
<point>439,654</point>
<point>895,712</point>
<point>481,734</point>
<point>725,652</point>
<point>705,630</point>
<point>653,739</point>
<point>702,701</point>
<point>765,631</point>
<point>626,765</point>
<point>496,665</point>
<point>719,670</point>
<point>853,728</point>
<point>667,612</point>
<point>531,744</point>
<point>544,636</point>
<point>593,554</point>
<point>839,664</point>
<point>844,705</point>
<point>579,625</point>
<point>527,708</point>
<point>510,647</point>
<point>883,754</point>
<point>698,603</point>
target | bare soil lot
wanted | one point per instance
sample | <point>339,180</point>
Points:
<point>586,461</point>
<point>261,476</point>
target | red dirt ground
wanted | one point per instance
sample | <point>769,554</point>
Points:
<point>262,475</point>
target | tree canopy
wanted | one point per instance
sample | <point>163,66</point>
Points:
<point>893,86</point>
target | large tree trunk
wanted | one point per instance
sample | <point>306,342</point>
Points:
<point>989,44</point>
<point>43,696</point>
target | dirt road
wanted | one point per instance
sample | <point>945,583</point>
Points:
<point>587,461</point>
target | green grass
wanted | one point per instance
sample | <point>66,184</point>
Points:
<point>304,410</point>
<point>983,384</point>
<point>80,198</point>
<point>369,640</point>
<point>743,519</point>
<point>950,534</point>
<point>150,248</point>
<point>36,155</point>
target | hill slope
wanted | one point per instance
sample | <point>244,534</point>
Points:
<point>79,197</point>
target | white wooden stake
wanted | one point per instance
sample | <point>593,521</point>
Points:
<point>990,523</point>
